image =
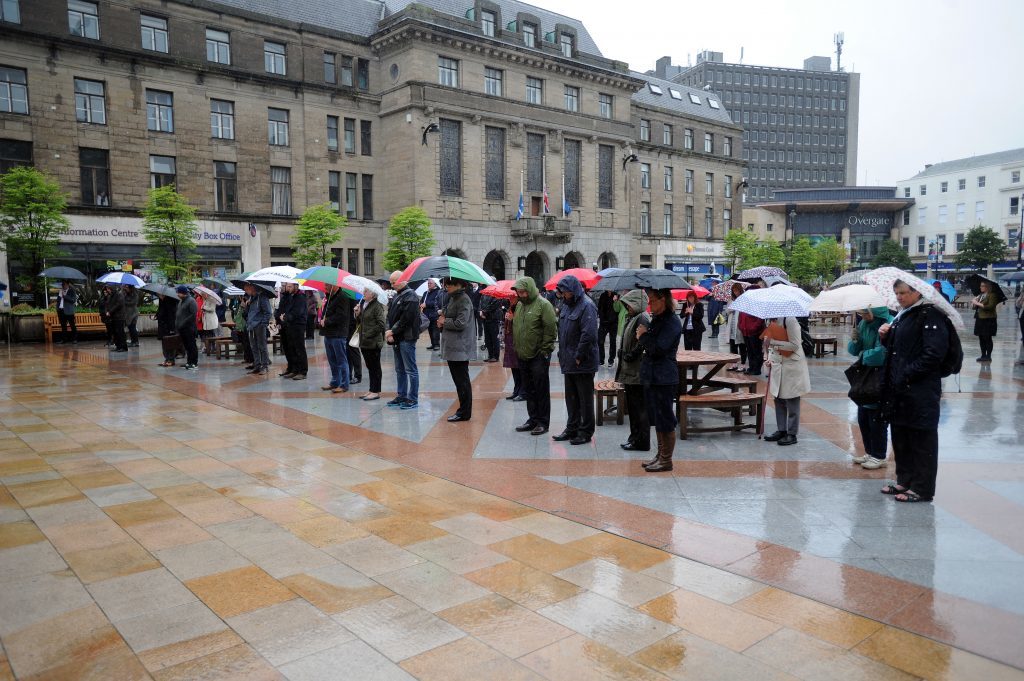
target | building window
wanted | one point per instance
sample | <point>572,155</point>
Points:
<point>769,227</point>
<point>906,245</point>
<point>922,214</point>
<point>605,103</point>
<point>83,19</point>
<point>709,183</point>
<point>943,214</point>
<point>225,180</point>
<point>726,220</point>
<point>566,43</point>
<point>961,184</point>
<point>1014,176</point>
<point>162,171</point>
<point>666,220</point>
<point>368,206</point>
<point>332,133</point>
<point>924,190</point>
<point>979,212</point>
<point>10,12</point>
<point>346,71</point>
<point>350,196</point>
<point>572,98</point>
<point>906,218</point>
<point>981,180</point>
<point>365,138</point>
<point>727,181</point>
<point>666,134</point>
<point>709,143</point>
<point>353,260</point>
<point>448,71</point>
<point>154,33</point>
<point>605,175</point>
<point>645,175</point>
<point>492,81</point>
<point>573,169</point>
<point>534,162</point>
<point>277,127</point>
<point>709,221</point>
<point>218,46</point>
<point>90,105</point>
<point>274,58</point>
<point>350,135</point>
<point>494,163</point>
<point>534,90</point>
<point>645,130</point>
<point>906,192</point>
<point>1014,205</point>
<point>368,254</point>
<point>943,187</point>
<point>688,220</point>
<point>280,190</point>
<point>645,217</point>
<point>960,241</point>
<point>334,190</point>
<point>330,67</point>
<point>961,212</point>
<point>920,244</point>
<point>94,169</point>
<point>688,138</point>
<point>13,154</point>
<point>529,34</point>
<point>688,181</point>
<point>727,146</point>
<point>159,111</point>
<point>222,119</point>
<point>668,178</point>
<point>363,73</point>
<point>451,157</point>
<point>487,22</point>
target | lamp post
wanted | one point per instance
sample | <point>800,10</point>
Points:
<point>792,227</point>
<point>1020,235</point>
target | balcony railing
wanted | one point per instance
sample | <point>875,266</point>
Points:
<point>546,226</point>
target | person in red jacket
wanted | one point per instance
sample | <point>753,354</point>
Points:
<point>751,328</point>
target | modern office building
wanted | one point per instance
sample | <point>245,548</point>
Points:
<point>800,125</point>
<point>951,197</point>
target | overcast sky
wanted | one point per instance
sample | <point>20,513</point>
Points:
<point>937,79</point>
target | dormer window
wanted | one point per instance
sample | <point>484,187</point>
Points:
<point>529,34</point>
<point>565,42</point>
<point>488,20</point>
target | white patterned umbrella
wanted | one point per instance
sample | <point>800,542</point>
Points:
<point>773,303</point>
<point>847,299</point>
<point>278,273</point>
<point>882,281</point>
<point>368,287</point>
<point>761,272</point>
<point>855,277</point>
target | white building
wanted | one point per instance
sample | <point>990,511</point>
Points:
<point>954,196</point>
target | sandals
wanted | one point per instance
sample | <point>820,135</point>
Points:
<point>892,489</point>
<point>909,497</point>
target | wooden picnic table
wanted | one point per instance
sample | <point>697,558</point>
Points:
<point>689,361</point>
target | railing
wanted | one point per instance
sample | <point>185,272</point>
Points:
<point>547,226</point>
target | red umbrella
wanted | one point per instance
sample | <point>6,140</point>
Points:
<point>587,277</point>
<point>501,289</point>
<point>680,294</point>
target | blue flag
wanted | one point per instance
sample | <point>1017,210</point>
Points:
<point>566,208</point>
<point>522,207</point>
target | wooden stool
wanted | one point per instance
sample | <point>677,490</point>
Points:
<point>821,342</point>
<point>611,393</point>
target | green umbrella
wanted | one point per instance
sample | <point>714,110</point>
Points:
<point>440,266</point>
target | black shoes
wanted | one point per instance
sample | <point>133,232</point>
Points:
<point>539,430</point>
<point>455,418</point>
<point>563,436</point>
<point>518,398</point>
<point>633,447</point>
<point>788,440</point>
<point>579,440</point>
<point>526,427</point>
<point>775,437</point>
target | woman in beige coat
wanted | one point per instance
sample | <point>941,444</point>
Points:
<point>789,378</point>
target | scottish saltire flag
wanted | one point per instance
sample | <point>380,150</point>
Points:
<point>566,208</point>
<point>547,206</point>
<point>522,208</point>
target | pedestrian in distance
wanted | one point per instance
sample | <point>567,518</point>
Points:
<point>131,314</point>
<point>166,328</point>
<point>733,335</point>
<point>534,329</point>
<point>185,325</point>
<point>257,322</point>
<point>458,344</point>
<point>628,371</point>
<point>430,305</point>
<point>115,311</point>
<point>692,316</point>
<point>491,314</point>
<point>291,314</point>
<point>789,377</point>
<point>608,326</point>
<point>985,322</point>
<point>335,328</point>
<point>67,297</point>
<point>577,359</point>
<point>660,375</point>
<point>510,360</point>
<point>866,345</point>
<point>372,323</point>
<point>403,330</point>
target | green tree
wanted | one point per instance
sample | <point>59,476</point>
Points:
<point>768,253</point>
<point>803,265</point>
<point>409,237</point>
<point>738,245</point>
<point>318,228</point>
<point>892,254</point>
<point>169,226</point>
<point>982,247</point>
<point>32,217</point>
<point>830,258</point>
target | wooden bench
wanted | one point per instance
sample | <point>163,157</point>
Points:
<point>735,384</point>
<point>84,321</point>
<point>831,318</point>
<point>611,393</point>
<point>223,347</point>
<point>732,402</point>
<point>821,342</point>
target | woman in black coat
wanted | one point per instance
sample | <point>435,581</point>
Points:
<point>660,374</point>
<point>692,316</point>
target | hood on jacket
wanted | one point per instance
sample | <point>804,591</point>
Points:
<point>882,313</point>
<point>529,285</point>
<point>635,301</point>
<point>572,285</point>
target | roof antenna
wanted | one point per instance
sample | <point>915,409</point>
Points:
<point>839,38</point>
<point>741,55</point>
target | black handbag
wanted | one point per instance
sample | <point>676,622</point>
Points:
<point>865,384</point>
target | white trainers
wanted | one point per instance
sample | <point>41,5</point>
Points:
<point>861,459</point>
<point>872,463</point>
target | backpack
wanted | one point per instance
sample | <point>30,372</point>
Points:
<point>805,336</point>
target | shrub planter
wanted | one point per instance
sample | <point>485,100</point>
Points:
<point>28,328</point>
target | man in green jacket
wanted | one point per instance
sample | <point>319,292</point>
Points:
<point>534,328</point>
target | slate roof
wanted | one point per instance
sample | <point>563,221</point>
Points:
<point>684,106</point>
<point>998,158</point>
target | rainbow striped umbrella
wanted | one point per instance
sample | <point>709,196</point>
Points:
<point>444,266</point>
<point>319,275</point>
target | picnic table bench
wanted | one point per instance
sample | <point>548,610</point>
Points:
<point>731,402</point>
<point>823,342</point>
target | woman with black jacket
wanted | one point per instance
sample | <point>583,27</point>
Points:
<point>692,316</point>
<point>660,374</point>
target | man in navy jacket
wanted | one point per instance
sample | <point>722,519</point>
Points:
<point>578,359</point>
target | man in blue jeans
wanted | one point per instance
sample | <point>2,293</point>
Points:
<point>402,332</point>
<point>335,328</point>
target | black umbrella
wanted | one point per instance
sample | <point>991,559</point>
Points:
<point>1013,276</point>
<point>974,281</point>
<point>216,281</point>
<point>621,280</point>
<point>161,289</point>
<point>62,273</point>
<point>267,287</point>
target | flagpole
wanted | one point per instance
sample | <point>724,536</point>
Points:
<point>544,181</point>
<point>563,195</point>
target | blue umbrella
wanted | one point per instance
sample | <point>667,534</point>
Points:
<point>608,270</point>
<point>121,279</point>
<point>947,288</point>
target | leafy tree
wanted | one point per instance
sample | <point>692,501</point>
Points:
<point>982,247</point>
<point>318,228</point>
<point>803,265</point>
<point>768,253</point>
<point>892,254</point>
<point>169,225</point>
<point>830,258</point>
<point>32,217</point>
<point>409,237</point>
<point>738,245</point>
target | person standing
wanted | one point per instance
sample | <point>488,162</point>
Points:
<point>115,317</point>
<point>241,329</point>
<point>284,301</point>
<point>372,323</point>
<point>715,308</point>
<point>403,330</point>
<point>458,344</point>
<point>131,314</point>
<point>491,313</point>
<point>166,312</point>
<point>737,344</point>
<point>660,375</point>
<point>534,329</point>
<point>608,326</point>
<point>335,328</point>
<point>66,299</point>
<point>510,361</point>
<point>209,323</point>
<point>292,319</point>
<point>751,329</point>
<point>788,378</point>
<point>692,316</point>
<point>311,308</point>
<point>430,305</point>
<point>473,291</point>
<point>185,325</point>
<point>866,345</point>
<point>578,359</point>
<point>628,372</point>
<point>917,341</point>
<point>101,306</point>
<point>985,322</point>
<point>257,321</point>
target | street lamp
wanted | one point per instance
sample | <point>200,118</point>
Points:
<point>1020,234</point>
<point>792,225</point>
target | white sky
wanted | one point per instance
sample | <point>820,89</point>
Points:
<point>937,76</point>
